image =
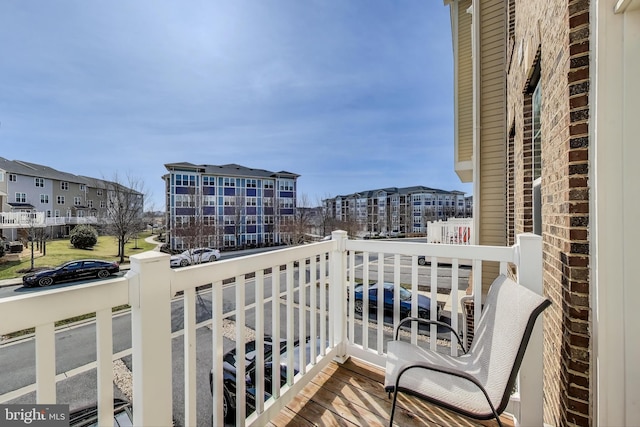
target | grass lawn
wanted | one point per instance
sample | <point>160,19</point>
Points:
<point>60,251</point>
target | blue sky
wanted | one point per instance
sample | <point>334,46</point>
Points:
<point>350,94</point>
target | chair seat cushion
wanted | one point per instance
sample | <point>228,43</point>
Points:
<point>445,389</point>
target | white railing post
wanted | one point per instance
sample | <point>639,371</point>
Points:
<point>531,370</point>
<point>150,300</point>
<point>338,295</point>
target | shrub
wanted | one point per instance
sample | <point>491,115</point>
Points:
<point>1,248</point>
<point>84,236</point>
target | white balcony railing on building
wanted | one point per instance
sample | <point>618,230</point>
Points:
<point>286,294</point>
<point>71,220</point>
<point>454,231</point>
<point>22,219</point>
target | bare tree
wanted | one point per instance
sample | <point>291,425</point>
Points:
<point>124,209</point>
<point>294,229</point>
<point>195,230</point>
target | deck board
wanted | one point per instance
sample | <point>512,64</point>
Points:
<point>352,394</point>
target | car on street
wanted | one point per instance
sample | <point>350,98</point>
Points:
<point>424,302</point>
<point>70,271</point>
<point>195,256</point>
<point>229,372</point>
<point>88,416</point>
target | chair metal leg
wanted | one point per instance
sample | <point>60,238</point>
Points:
<point>393,406</point>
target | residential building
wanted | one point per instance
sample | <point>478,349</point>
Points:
<point>33,195</point>
<point>396,210</point>
<point>546,105</point>
<point>228,206</point>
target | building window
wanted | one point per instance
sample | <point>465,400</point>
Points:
<point>99,192</point>
<point>64,185</point>
<point>537,159</point>
<point>77,201</point>
<point>103,204</point>
<point>56,213</point>
<point>229,182</point>
<point>83,187</point>
<point>44,198</point>
<point>209,200</point>
<point>185,180</point>
<point>21,197</point>
<point>90,203</point>
<point>268,184</point>
<point>229,200</point>
<point>39,182</point>
<point>209,181</point>
<point>252,183</point>
<point>13,177</point>
<point>60,200</point>
<point>252,201</point>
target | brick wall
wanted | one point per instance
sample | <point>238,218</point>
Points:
<point>557,35</point>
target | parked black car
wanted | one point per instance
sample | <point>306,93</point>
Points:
<point>73,270</point>
<point>424,302</point>
<point>88,416</point>
<point>229,373</point>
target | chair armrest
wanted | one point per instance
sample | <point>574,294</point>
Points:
<point>429,322</point>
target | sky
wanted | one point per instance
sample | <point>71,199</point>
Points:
<point>352,95</point>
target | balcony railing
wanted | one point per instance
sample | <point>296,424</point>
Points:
<point>455,231</point>
<point>22,219</point>
<point>288,294</point>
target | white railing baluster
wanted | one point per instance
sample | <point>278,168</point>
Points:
<point>217,344</point>
<point>380,308</point>
<point>104,365</point>
<point>414,301</point>
<point>241,387</point>
<point>290,322</point>
<point>302,315</point>
<point>365,300</point>
<point>259,328</point>
<point>396,286</point>
<point>46,363</point>
<point>433,328</point>
<point>189,305</point>
<point>313,309</point>
<point>454,306</point>
<point>275,333</point>
<point>351,284</point>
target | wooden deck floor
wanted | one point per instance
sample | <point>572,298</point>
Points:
<point>352,394</point>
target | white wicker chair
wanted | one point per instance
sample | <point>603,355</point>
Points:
<point>478,383</point>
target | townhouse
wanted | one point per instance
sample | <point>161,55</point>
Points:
<point>397,210</point>
<point>228,206</point>
<point>33,195</point>
<point>546,103</point>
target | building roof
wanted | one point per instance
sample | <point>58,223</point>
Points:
<point>395,190</point>
<point>231,169</point>
<point>20,167</point>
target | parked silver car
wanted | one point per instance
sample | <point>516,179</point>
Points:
<point>195,256</point>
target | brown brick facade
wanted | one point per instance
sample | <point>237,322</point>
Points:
<point>557,35</point>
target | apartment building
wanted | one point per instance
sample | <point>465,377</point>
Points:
<point>228,206</point>
<point>546,105</point>
<point>397,210</point>
<point>33,195</point>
